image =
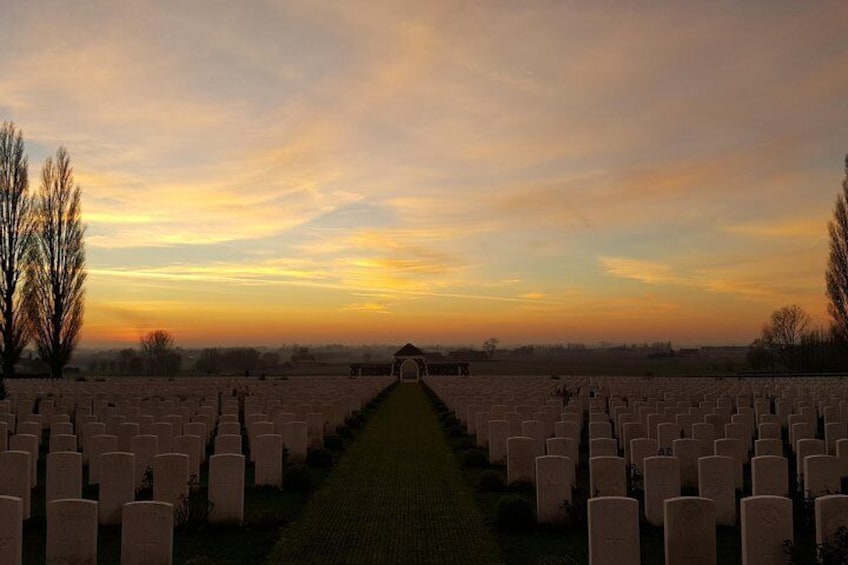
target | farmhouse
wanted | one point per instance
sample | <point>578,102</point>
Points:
<point>410,364</point>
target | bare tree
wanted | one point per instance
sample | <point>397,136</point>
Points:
<point>160,355</point>
<point>15,237</point>
<point>55,271</point>
<point>836,275</point>
<point>783,333</point>
<point>490,346</point>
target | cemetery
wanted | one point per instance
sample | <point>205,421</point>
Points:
<point>444,469</point>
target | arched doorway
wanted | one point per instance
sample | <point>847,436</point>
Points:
<point>410,370</point>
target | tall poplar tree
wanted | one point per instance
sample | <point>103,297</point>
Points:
<point>836,275</point>
<point>56,271</point>
<point>15,237</point>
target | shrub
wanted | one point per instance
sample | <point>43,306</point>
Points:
<point>334,442</point>
<point>345,431</point>
<point>455,430</point>
<point>319,458</point>
<point>491,481</point>
<point>514,514</point>
<point>192,511</point>
<point>475,458</point>
<point>297,478</point>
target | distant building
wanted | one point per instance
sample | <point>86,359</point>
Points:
<point>410,364</point>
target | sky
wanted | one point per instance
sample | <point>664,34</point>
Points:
<point>271,172</point>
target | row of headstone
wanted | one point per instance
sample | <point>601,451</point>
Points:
<point>146,531</point>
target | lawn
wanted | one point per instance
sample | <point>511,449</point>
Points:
<point>398,496</point>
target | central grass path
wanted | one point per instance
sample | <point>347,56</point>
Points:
<point>397,496</point>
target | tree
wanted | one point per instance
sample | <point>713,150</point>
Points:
<point>54,288</point>
<point>160,354</point>
<point>490,346</point>
<point>836,276</point>
<point>15,238</point>
<point>783,333</point>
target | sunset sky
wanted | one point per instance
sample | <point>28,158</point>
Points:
<point>439,172</point>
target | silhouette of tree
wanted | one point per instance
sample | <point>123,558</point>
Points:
<point>15,238</point>
<point>160,354</point>
<point>54,288</point>
<point>836,275</point>
<point>783,333</point>
<point>490,346</point>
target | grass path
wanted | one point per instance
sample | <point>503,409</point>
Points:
<point>396,497</point>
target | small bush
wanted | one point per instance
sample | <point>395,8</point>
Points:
<point>345,431</point>
<point>475,459</point>
<point>192,511</point>
<point>491,481</point>
<point>455,430</point>
<point>515,514</point>
<point>297,478</point>
<point>334,443</point>
<point>319,458</point>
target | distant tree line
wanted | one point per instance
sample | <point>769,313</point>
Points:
<point>786,342</point>
<point>238,360</point>
<point>42,258</point>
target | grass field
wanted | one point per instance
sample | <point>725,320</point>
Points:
<point>397,497</point>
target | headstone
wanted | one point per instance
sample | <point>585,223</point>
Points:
<point>768,447</point>
<point>535,429</point>
<point>28,443</point>
<point>96,446</point>
<point>193,447</point>
<point>667,432</point>
<point>296,441</point>
<point>15,478</point>
<point>228,443</point>
<point>125,433</point>
<point>165,432</point>
<point>641,448</point>
<point>687,451</point>
<point>662,481</point>
<point>145,448</point>
<point>117,485</point>
<point>226,488</point>
<point>613,531</point>
<point>736,450</point>
<point>603,447</point>
<point>315,430</point>
<point>716,482</point>
<point>804,448</point>
<point>831,514</point>
<point>71,532</point>
<point>498,432</point>
<point>520,459</point>
<point>821,475</point>
<point>11,529</point>
<point>566,447</point>
<point>64,475</point>
<point>766,525</point>
<point>170,478</point>
<point>706,433</point>
<point>147,533</point>
<point>690,531</point>
<point>553,488</point>
<point>607,477</point>
<point>269,460</point>
<point>769,476</point>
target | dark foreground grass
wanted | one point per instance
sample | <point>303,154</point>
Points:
<point>397,497</point>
